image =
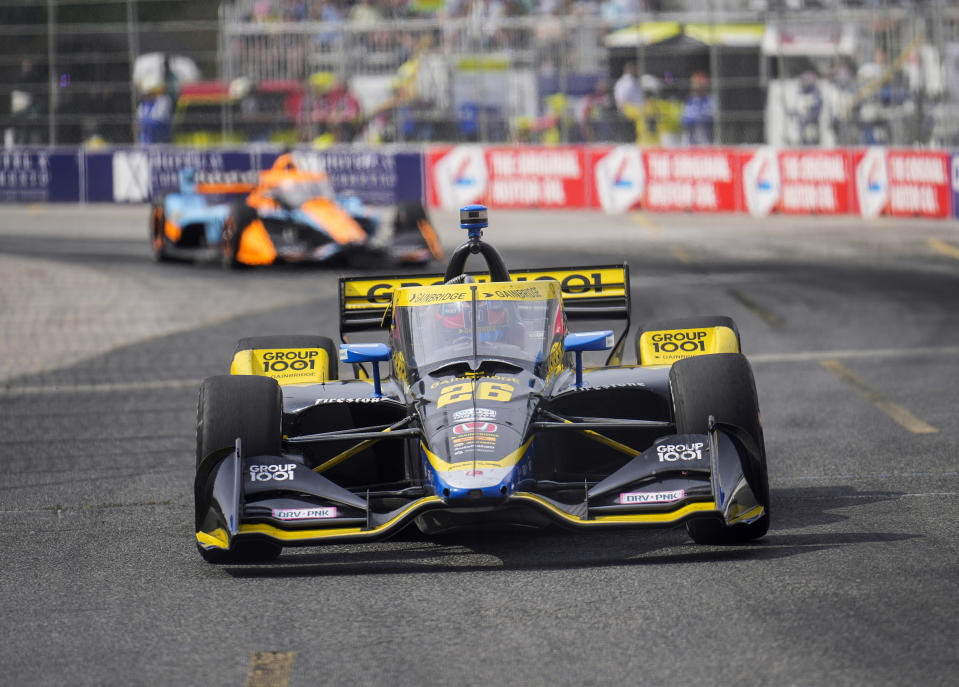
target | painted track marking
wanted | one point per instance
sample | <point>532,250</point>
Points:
<point>646,223</point>
<point>270,669</point>
<point>680,254</point>
<point>771,319</point>
<point>878,399</point>
<point>943,247</point>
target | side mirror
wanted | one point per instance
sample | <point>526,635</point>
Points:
<point>587,341</point>
<point>367,353</point>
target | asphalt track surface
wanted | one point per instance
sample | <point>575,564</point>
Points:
<point>853,332</point>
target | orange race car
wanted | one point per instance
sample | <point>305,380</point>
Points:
<point>284,215</point>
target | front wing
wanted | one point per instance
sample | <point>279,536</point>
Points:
<point>694,476</point>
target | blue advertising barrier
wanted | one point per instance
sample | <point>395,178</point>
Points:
<point>954,174</point>
<point>35,175</point>
<point>377,177</point>
<point>138,175</point>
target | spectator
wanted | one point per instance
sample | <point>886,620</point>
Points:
<point>698,112</point>
<point>808,109</point>
<point>335,113</point>
<point>155,113</point>
<point>27,105</point>
<point>626,92</point>
<point>596,113</point>
<point>629,103</point>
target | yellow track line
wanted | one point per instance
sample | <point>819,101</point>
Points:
<point>943,247</point>
<point>645,222</point>
<point>270,669</point>
<point>878,399</point>
<point>680,254</point>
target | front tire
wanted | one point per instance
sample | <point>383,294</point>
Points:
<point>722,385</point>
<point>249,408</point>
<point>239,218</point>
<point>158,232</point>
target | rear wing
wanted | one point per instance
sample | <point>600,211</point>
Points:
<point>226,182</point>
<point>594,292</point>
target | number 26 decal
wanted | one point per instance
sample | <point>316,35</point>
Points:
<point>485,391</point>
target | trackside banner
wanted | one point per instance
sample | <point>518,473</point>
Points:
<point>761,181</point>
<point>508,177</point>
<point>39,175</point>
<point>142,174</point>
<point>955,183</point>
<point>796,181</point>
<point>902,183</point>
<point>869,182</point>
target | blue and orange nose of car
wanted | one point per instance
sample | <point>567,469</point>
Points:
<point>334,220</point>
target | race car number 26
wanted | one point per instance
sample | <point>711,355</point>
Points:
<point>485,391</point>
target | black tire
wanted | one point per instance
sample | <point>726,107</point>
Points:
<point>409,213</point>
<point>157,233</point>
<point>239,218</point>
<point>722,385</point>
<point>295,341</point>
<point>694,322</point>
<point>251,408</point>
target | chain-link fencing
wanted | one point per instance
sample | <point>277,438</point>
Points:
<point>294,71</point>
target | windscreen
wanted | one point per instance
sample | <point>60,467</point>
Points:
<point>294,193</point>
<point>513,321</point>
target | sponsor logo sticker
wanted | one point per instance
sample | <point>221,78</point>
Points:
<point>474,414</point>
<point>304,513</point>
<point>670,453</point>
<point>470,427</point>
<point>272,472</point>
<point>640,497</point>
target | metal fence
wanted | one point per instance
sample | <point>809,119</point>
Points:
<point>75,71</point>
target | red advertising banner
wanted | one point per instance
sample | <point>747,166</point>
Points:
<point>507,176</point>
<point>918,183</point>
<point>903,183</point>
<point>796,181</point>
<point>693,179</point>
<point>870,181</point>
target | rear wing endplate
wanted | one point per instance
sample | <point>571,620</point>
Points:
<point>594,292</point>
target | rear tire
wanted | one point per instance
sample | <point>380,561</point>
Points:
<point>249,408</point>
<point>722,385</point>
<point>295,341</point>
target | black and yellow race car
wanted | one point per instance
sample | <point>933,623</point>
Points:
<point>479,409</point>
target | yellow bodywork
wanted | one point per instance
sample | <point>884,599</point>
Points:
<point>664,347</point>
<point>285,365</point>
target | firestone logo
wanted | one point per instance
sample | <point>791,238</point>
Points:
<point>467,427</point>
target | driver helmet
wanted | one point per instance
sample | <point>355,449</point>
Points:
<point>491,319</point>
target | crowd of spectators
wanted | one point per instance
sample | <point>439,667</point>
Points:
<point>366,12</point>
<point>846,105</point>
